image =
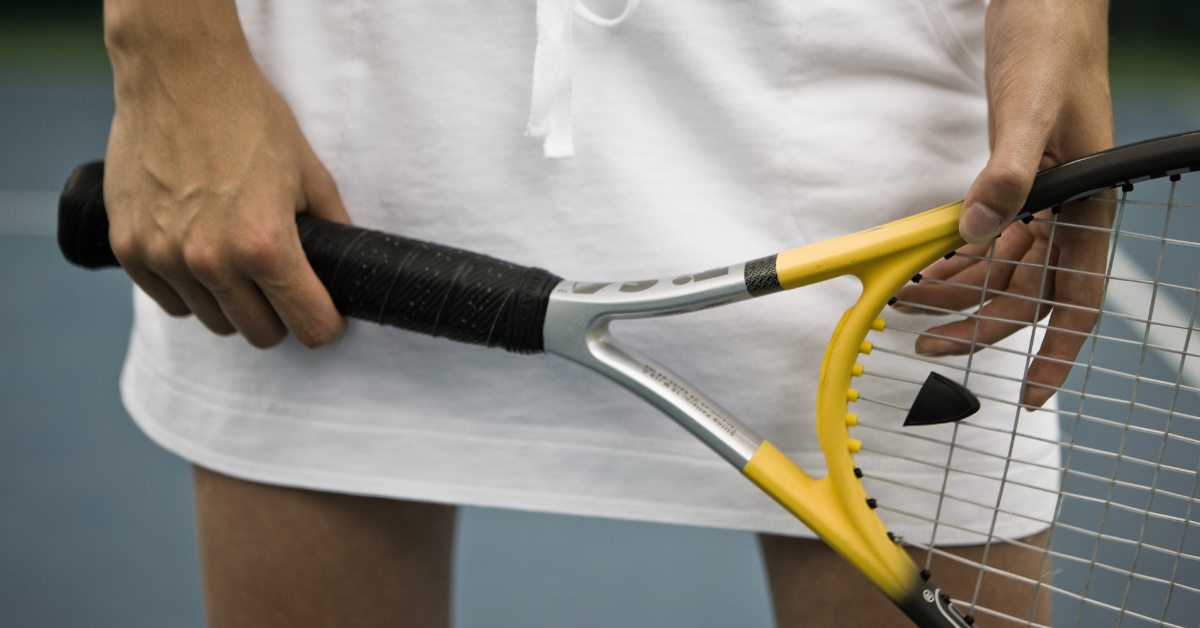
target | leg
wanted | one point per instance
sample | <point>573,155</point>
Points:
<point>812,586</point>
<point>274,556</point>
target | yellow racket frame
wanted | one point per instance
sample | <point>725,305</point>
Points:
<point>835,507</point>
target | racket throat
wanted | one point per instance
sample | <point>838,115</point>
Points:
<point>577,328</point>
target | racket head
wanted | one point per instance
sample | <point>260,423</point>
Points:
<point>1083,509</point>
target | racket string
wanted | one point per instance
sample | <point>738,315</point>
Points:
<point>991,533</point>
<point>1063,269</point>
<point>1129,419</point>
<point>1032,437</point>
<point>1120,513</point>
<point>1174,401</point>
<point>1050,553</point>
<point>1021,544</point>
<point>1062,499</point>
<point>1189,499</point>
<point>1129,318</point>
<point>954,433</point>
<point>1058,590</point>
<point>1179,552</point>
<point>1106,371</point>
<point>1016,379</point>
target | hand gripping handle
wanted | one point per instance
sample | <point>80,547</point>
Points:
<point>418,286</point>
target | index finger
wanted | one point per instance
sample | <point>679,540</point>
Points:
<point>280,268</point>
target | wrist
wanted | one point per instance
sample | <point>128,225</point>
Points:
<point>178,44</point>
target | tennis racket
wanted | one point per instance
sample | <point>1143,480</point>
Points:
<point>1096,491</point>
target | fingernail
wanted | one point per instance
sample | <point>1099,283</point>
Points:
<point>929,347</point>
<point>979,224</point>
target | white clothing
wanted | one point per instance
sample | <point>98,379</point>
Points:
<point>705,133</point>
<point>550,106</point>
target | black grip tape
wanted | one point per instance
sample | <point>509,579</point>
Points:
<point>82,222</point>
<point>418,286</point>
<point>429,288</point>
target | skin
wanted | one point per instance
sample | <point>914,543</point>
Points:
<point>1049,103</point>
<point>289,558</point>
<point>294,558</point>
<point>206,168</point>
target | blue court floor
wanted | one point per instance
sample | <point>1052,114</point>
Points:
<point>96,523</point>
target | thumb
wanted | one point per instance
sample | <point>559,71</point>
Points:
<point>999,191</point>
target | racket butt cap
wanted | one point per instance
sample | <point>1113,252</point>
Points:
<point>82,219</point>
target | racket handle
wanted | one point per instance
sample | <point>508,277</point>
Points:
<point>82,221</point>
<point>419,286</point>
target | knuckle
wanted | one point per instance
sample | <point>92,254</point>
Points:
<point>204,261</point>
<point>160,256</point>
<point>123,245</point>
<point>1011,181</point>
<point>259,252</point>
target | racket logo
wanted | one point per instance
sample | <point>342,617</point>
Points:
<point>708,274</point>
<point>588,288</point>
<point>928,595</point>
<point>638,286</point>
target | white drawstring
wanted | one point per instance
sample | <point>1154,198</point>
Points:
<point>582,11</point>
<point>550,109</point>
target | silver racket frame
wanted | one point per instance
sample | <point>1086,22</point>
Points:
<point>577,328</point>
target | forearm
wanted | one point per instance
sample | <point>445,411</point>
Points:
<point>189,95</point>
<point>1047,65</point>
<point>1068,23</point>
<point>187,34</point>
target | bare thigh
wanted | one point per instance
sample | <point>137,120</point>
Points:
<point>812,586</point>
<point>275,556</point>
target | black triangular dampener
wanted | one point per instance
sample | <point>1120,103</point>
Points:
<point>941,401</point>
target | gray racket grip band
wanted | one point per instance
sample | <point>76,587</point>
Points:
<point>418,286</point>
